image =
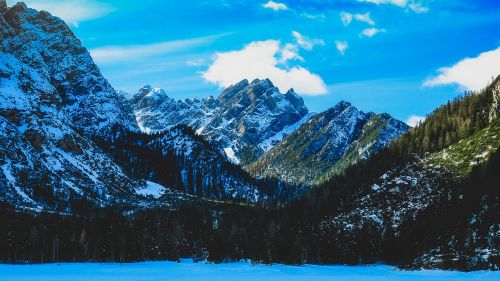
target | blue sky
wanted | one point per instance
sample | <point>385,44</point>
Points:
<point>403,57</point>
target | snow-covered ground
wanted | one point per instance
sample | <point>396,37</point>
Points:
<point>186,270</point>
<point>151,189</point>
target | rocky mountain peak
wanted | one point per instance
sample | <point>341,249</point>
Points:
<point>337,110</point>
<point>230,91</point>
<point>342,105</point>
<point>246,94</point>
<point>239,120</point>
<point>52,69</point>
<point>53,102</point>
<point>153,93</point>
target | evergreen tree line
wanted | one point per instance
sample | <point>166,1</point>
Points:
<point>204,173</point>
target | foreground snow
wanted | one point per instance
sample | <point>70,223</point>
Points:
<point>186,270</point>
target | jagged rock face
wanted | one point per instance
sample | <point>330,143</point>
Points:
<point>242,117</point>
<point>42,55</point>
<point>53,100</point>
<point>495,108</point>
<point>326,143</point>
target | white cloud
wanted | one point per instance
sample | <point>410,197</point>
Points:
<point>196,62</point>
<point>341,46</point>
<point>114,54</point>
<point>289,52</point>
<point>347,18</point>
<point>370,32</point>
<point>314,16</point>
<point>275,6</point>
<point>414,120</point>
<point>364,18</point>
<point>306,42</point>
<point>72,11</point>
<point>418,8</point>
<point>259,60</point>
<point>414,5</point>
<point>471,73</point>
<point>400,3</point>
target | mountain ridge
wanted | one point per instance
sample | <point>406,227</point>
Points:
<point>327,143</point>
<point>244,115</point>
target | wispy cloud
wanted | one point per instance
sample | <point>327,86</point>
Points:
<point>341,46</point>
<point>418,8</point>
<point>414,120</point>
<point>370,32</point>
<point>114,54</point>
<point>260,59</point>
<point>289,52</point>
<point>320,16</point>
<point>470,73</point>
<point>306,42</point>
<point>347,18</point>
<point>400,3</point>
<point>276,6</point>
<point>364,18</point>
<point>196,62</point>
<point>414,5</point>
<point>72,11</point>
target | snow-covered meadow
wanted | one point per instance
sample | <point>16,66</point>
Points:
<point>187,270</point>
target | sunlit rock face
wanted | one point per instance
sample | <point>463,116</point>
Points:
<point>244,116</point>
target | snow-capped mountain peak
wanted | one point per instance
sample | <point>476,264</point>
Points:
<point>243,116</point>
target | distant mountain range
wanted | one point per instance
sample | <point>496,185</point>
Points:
<point>271,134</point>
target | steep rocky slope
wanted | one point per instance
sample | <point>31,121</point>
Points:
<point>440,207</point>
<point>239,120</point>
<point>326,144</point>
<point>53,101</point>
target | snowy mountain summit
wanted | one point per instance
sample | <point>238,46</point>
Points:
<point>53,102</point>
<point>243,116</point>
